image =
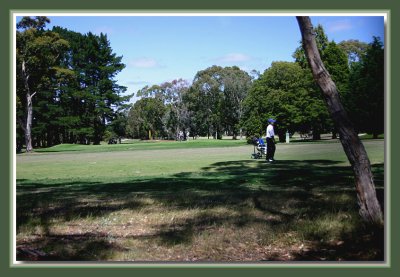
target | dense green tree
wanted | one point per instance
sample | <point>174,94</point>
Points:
<point>198,124</point>
<point>236,84</point>
<point>367,83</point>
<point>118,125</point>
<point>358,72</point>
<point>284,92</point>
<point>172,95</point>
<point>216,100</point>
<point>66,90</point>
<point>336,62</point>
<point>37,23</point>
<point>145,119</point>
<point>322,42</point>
<point>208,100</point>
<point>38,53</point>
<point>104,65</point>
<point>91,99</point>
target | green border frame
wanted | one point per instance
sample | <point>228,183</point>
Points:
<point>7,150</point>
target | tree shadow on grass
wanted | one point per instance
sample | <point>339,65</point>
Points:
<point>74,247</point>
<point>283,192</point>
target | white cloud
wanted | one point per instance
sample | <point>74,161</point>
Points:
<point>339,26</point>
<point>233,57</point>
<point>138,83</point>
<point>144,63</point>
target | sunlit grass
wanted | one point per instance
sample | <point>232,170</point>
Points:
<point>194,204</point>
<point>134,145</point>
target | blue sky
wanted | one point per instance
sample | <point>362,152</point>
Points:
<point>156,49</point>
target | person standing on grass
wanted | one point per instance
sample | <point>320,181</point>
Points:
<point>270,140</point>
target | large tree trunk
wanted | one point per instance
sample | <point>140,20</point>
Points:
<point>370,210</point>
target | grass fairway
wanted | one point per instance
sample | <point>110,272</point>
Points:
<point>193,201</point>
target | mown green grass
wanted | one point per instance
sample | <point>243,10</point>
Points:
<point>134,145</point>
<point>163,162</point>
<point>194,204</point>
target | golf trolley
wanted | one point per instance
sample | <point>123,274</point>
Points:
<point>260,149</point>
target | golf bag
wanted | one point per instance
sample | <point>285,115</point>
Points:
<point>260,149</point>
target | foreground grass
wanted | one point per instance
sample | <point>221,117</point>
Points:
<point>194,205</point>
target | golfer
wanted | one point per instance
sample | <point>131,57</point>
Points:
<point>270,140</point>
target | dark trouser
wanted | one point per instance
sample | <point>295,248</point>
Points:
<point>270,148</point>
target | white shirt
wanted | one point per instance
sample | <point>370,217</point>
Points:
<point>270,131</point>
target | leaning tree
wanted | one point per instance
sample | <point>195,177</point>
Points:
<point>370,210</point>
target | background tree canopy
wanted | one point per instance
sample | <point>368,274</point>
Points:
<point>67,92</point>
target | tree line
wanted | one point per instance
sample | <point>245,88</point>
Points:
<point>66,92</point>
<point>228,100</point>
